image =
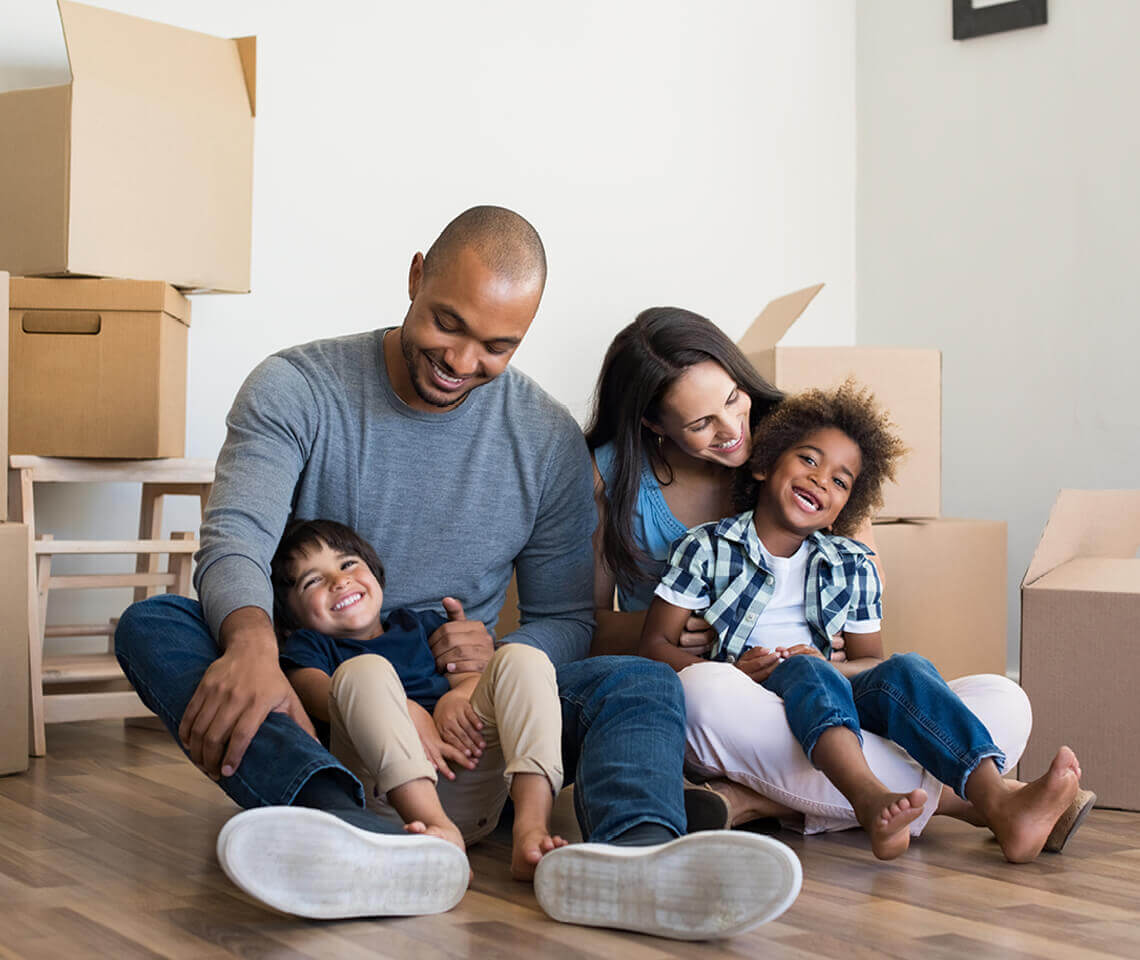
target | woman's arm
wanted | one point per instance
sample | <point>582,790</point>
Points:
<point>663,625</point>
<point>312,686</point>
<point>617,632</point>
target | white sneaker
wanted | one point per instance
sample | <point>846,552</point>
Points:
<point>717,883</point>
<point>312,864</point>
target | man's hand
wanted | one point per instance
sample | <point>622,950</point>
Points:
<point>697,637</point>
<point>437,752</point>
<point>460,645</point>
<point>459,725</point>
<point>758,663</point>
<point>237,692</point>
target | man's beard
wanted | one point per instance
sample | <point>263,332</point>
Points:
<point>410,361</point>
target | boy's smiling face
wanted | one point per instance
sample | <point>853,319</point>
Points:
<point>809,484</point>
<point>335,593</point>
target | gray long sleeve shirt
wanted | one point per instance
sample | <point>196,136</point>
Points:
<point>451,500</point>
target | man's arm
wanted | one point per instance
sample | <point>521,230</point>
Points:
<point>269,433</point>
<point>555,570</point>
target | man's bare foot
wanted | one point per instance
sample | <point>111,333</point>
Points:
<point>529,845</point>
<point>745,804</point>
<point>1022,819</point>
<point>445,830</point>
<point>887,818</point>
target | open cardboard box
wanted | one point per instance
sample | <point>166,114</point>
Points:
<point>98,368</point>
<point>142,166</point>
<point>1080,610</point>
<point>908,382</point>
<point>3,396</point>
<point>944,593</point>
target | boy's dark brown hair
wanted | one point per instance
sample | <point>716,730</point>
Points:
<point>850,408</point>
<point>299,537</point>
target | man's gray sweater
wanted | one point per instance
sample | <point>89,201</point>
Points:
<point>450,499</point>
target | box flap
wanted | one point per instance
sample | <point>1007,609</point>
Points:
<point>247,51</point>
<point>1087,523</point>
<point>776,319</point>
<point>35,293</point>
<point>1093,575</point>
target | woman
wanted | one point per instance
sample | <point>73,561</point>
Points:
<point>674,409</point>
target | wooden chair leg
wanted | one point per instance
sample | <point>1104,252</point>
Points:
<point>180,566</point>
<point>150,527</point>
<point>39,572</point>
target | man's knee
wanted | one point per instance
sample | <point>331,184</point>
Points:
<point>142,624</point>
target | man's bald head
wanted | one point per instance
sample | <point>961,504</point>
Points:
<point>505,242</point>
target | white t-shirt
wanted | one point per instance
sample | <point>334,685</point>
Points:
<point>783,622</point>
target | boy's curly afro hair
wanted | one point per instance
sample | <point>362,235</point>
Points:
<point>851,408</point>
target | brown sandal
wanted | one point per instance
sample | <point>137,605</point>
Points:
<point>1068,822</point>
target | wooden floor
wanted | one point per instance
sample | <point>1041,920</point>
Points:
<point>107,849</point>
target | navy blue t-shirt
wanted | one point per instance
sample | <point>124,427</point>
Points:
<point>404,644</point>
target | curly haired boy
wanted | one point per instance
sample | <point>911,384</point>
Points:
<point>778,582</point>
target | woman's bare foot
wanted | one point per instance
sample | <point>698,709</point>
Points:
<point>887,817</point>
<point>745,804</point>
<point>529,844</point>
<point>445,830</point>
<point>1022,818</point>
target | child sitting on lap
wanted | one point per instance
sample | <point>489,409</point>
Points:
<point>777,583</point>
<point>395,720</point>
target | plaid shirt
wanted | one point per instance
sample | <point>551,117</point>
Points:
<point>720,566</point>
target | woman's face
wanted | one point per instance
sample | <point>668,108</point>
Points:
<point>705,414</point>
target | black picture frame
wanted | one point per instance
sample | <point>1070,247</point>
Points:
<point>971,21</point>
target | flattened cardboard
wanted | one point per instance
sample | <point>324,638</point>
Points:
<point>98,368</point>
<point>907,382</point>
<point>15,560</point>
<point>944,592</point>
<point>1080,606</point>
<point>142,166</point>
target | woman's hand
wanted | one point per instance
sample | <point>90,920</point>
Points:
<point>838,649</point>
<point>437,752</point>
<point>459,725</point>
<point>758,663</point>
<point>697,636</point>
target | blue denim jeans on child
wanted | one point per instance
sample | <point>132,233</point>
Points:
<point>903,699</point>
<point>623,725</point>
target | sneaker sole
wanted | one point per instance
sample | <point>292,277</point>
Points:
<point>699,887</point>
<point>309,863</point>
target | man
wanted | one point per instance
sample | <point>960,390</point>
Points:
<point>457,469</point>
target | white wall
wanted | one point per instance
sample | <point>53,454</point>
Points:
<point>669,152</point>
<point>997,218</point>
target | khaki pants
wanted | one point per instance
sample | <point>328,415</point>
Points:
<point>517,700</point>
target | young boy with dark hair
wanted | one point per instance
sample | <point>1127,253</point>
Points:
<point>778,582</point>
<point>395,720</point>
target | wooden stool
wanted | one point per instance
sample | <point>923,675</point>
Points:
<point>159,478</point>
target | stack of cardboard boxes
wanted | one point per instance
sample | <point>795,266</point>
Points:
<point>945,579</point>
<point>119,192</point>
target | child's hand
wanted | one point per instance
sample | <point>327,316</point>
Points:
<point>758,663</point>
<point>799,650</point>
<point>437,752</point>
<point>459,725</point>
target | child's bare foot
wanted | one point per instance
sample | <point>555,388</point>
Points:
<point>445,830</point>
<point>1022,818</point>
<point>529,845</point>
<point>887,818</point>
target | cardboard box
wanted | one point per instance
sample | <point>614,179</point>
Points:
<point>142,166</point>
<point>908,382</point>
<point>1080,607</point>
<point>15,561</point>
<point>944,593</point>
<point>98,368</point>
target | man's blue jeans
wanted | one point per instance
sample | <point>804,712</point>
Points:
<point>623,725</point>
<point>903,699</point>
